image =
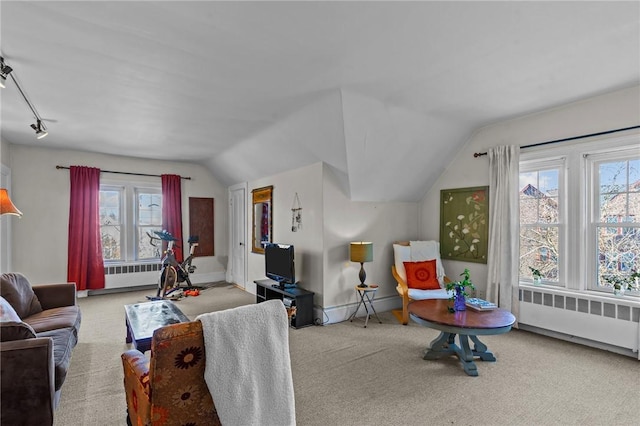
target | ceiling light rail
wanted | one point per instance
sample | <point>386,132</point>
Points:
<point>125,173</point>
<point>606,132</point>
<point>7,71</point>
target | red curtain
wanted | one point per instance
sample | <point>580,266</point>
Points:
<point>172,210</point>
<point>84,265</point>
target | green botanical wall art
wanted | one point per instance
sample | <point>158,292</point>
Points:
<point>464,224</point>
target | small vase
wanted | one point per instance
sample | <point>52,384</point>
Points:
<point>459,301</point>
<point>537,280</point>
<point>618,291</point>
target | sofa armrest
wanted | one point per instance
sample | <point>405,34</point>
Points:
<point>136,386</point>
<point>55,295</point>
<point>28,381</point>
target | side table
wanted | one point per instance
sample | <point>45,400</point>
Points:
<point>366,295</point>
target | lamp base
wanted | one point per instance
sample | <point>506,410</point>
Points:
<point>362,275</point>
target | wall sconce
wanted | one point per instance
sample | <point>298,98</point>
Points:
<point>361,252</point>
<point>6,206</point>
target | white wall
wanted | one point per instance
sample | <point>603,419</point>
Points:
<point>42,192</point>
<point>330,221</point>
<point>346,221</point>
<point>307,182</point>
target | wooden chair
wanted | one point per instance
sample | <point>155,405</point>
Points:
<point>402,253</point>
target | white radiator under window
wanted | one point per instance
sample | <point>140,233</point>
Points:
<point>609,320</point>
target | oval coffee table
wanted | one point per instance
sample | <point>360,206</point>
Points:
<point>469,324</point>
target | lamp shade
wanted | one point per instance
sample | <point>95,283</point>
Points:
<point>6,206</point>
<point>361,252</point>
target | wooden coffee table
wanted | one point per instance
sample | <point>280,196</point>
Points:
<point>466,325</point>
<point>142,319</point>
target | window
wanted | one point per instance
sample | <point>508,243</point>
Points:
<point>615,218</point>
<point>580,213</point>
<point>127,214</point>
<point>540,219</point>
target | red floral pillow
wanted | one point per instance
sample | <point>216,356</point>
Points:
<point>422,275</point>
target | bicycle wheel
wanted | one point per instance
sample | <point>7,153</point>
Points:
<point>168,280</point>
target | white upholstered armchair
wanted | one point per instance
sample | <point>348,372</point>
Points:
<point>419,273</point>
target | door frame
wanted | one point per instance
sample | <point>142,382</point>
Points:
<point>235,222</point>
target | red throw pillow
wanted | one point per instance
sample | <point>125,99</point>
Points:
<point>422,275</point>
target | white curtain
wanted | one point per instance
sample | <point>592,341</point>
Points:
<point>504,219</point>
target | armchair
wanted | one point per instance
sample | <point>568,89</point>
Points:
<point>415,251</point>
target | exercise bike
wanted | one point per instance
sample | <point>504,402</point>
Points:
<point>173,273</point>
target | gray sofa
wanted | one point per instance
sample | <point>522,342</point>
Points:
<point>38,329</point>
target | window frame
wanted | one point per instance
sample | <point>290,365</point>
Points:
<point>592,162</point>
<point>540,165</point>
<point>578,253</point>
<point>129,219</point>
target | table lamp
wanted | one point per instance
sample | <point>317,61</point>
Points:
<point>6,206</point>
<point>361,252</point>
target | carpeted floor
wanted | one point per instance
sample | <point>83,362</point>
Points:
<point>345,374</point>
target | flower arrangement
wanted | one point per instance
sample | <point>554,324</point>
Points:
<point>461,286</point>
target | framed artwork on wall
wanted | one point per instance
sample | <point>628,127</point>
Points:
<point>464,224</point>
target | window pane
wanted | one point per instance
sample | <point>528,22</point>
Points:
<point>634,207</point>
<point>634,175</point>
<point>110,225</point>
<point>618,251</point>
<point>109,207</point>
<point>613,177</point>
<point>149,209</point>
<point>111,242</point>
<point>539,250</point>
<point>145,249</point>
<point>613,208</point>
<point>548,182</point>
<point>539,197</point>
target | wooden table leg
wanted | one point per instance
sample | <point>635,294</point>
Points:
<point>440,346</point>
<point>480,350</point>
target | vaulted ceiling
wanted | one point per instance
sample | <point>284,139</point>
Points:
<point>383,92</point>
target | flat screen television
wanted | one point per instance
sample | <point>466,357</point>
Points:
<point>279,264</point>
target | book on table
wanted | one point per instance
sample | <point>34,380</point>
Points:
<point>480,304</point>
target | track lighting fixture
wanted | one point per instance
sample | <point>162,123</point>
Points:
<point>4,72</point>
<point>39,128</point>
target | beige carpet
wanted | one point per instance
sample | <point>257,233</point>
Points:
<point>345,374</point>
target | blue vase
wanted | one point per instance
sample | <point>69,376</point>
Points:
<point>459,301</point>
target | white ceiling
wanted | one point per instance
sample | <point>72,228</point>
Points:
<point>381,91</point>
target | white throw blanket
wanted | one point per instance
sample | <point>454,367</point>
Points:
<point>248,367</point>
<point>427,250</point>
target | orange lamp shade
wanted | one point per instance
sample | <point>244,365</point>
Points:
<point>6,206</point>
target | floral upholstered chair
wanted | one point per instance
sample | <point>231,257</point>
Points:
<point>170,388</point>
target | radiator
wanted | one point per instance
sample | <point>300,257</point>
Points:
<point>610,320</point>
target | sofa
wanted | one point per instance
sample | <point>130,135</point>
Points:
<point>38,330</point>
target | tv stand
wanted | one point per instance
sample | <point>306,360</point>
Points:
<point>302,299</point>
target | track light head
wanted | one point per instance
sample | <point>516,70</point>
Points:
<point>40,132</point>
<point>5,70</point>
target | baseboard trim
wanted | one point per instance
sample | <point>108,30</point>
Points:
<point>580,340</point>
<point>335,314</point>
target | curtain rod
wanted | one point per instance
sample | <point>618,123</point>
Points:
<point>126,173</point>
<point>606,132</point>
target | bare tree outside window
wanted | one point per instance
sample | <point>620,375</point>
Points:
<point>617,226</point>
<point>539,223</point>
